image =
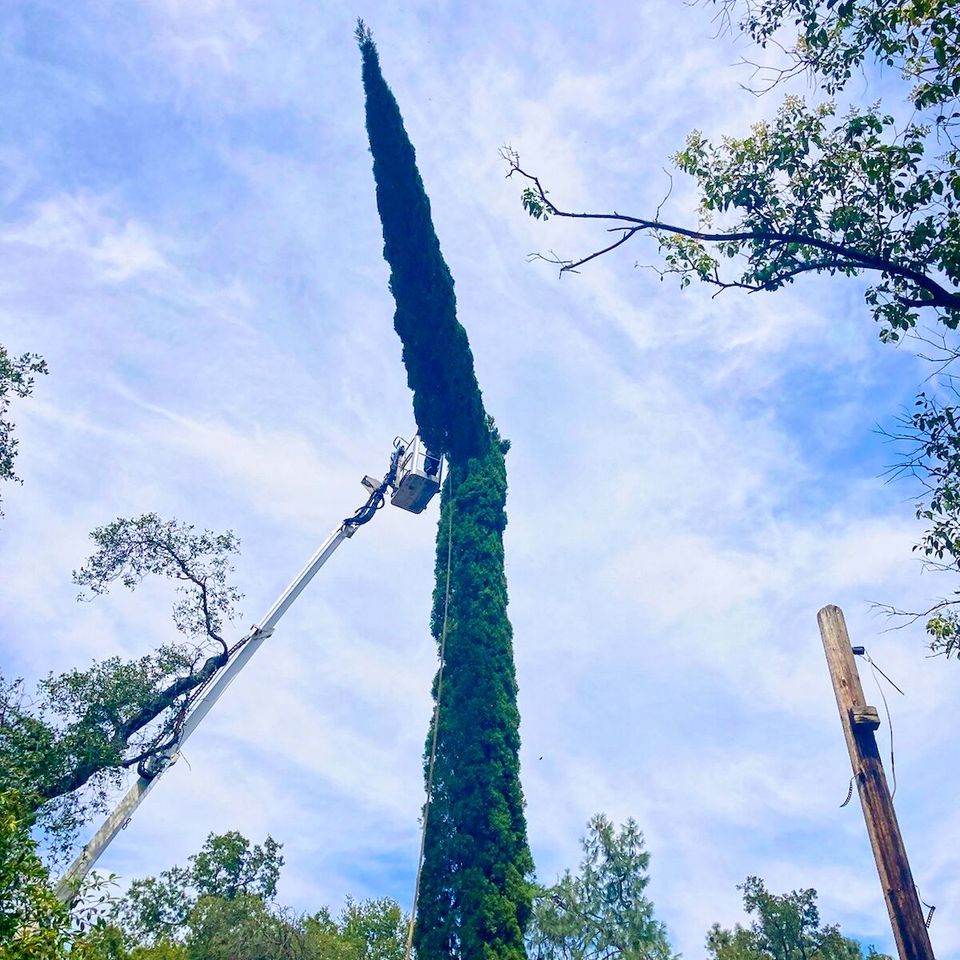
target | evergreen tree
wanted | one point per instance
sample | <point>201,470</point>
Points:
<point>475,895</point>
<point>603,911</point>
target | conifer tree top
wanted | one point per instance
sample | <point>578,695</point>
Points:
<point>447,401</point>
<point>364,37</point>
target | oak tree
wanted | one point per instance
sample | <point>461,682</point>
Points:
<point>66,747</point>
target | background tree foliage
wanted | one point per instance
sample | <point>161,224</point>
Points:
<point>64,748</point>
<point>929,442</point>
<point>33,923</point>
<point>227,867</point>
<point>602,912</point>
<point>221,906</point>
<point>870,191</point>
<point>474,898</point>
<point>785,927</point>
<point>814,191</point>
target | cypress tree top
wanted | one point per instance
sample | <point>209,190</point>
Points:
<point>446,398</point>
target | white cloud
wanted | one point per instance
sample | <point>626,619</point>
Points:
<point>197,36</point>
<point>78,227</point>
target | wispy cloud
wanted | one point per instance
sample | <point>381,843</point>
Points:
<point>77,228</point>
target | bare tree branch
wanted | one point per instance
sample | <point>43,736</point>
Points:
<point>845,257</point>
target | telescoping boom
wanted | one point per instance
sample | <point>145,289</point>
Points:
<point>412,480</point>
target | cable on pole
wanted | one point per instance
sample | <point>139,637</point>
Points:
<point>930,909</point>
<point>849,793</point>
<point>861,651</point>
<point>436,730</point>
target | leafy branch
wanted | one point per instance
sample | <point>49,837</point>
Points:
<point>17,375</point>
<point>805,197</point>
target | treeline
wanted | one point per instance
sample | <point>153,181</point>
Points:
<point>222,905</point>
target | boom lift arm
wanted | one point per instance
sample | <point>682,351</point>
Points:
<point>413,479</point>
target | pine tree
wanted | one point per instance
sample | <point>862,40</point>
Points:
<point>475,895</point>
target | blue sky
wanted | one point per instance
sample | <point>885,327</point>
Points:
<point>189,235</point>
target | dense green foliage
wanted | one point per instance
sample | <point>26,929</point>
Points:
<point>33,923</point>
<point>436,354</point>
<point>68,745</point>
<point>16,380</point>
<point>222,906</point>
<point>785,927</point>
<point>815,192</point>
<point>885,192</point>
<point>248,927</point>
<point>836,38</point>
<point>474,898</point>
<point>474,895</point>
<point>603,911</point>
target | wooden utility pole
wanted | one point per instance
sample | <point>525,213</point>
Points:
<point>859,723</point>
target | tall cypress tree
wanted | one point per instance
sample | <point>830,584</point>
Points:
<point>474,899</point>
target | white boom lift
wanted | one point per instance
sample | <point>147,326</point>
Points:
<point>413,479</point>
